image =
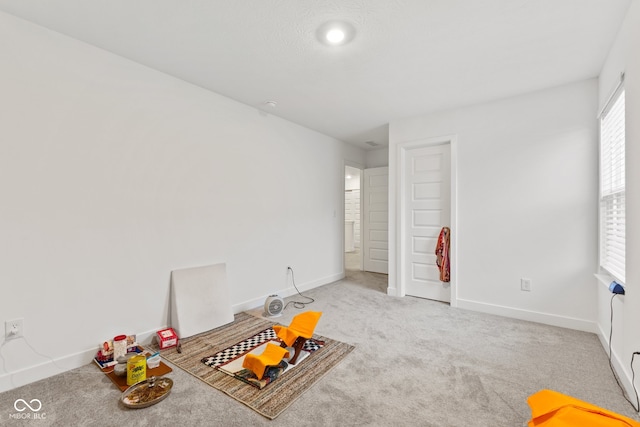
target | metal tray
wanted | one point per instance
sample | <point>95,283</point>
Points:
<point>161,388</point>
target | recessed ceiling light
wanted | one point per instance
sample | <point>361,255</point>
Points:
<point>271,104</point>
<point>336,33</point>
<point>335,36</point>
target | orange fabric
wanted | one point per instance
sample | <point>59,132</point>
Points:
<point>271,356</point>
<point>552,409</point>
<point>302,325</point>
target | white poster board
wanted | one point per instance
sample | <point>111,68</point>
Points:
<point>200,299</point>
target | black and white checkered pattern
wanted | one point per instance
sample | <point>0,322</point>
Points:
<point>312,345</point>
<point>239,349</point>
<point>233,352</point>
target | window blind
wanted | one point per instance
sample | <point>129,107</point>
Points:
<point>612,188</point>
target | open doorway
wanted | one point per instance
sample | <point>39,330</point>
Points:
<point>352,218</point>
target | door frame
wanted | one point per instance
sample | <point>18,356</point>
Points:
<point>399,272</point>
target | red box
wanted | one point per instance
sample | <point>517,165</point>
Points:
<point>167,338</point>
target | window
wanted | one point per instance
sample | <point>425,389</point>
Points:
<point>612,186</point>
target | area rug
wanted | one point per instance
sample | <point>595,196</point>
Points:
<point>272,400</point>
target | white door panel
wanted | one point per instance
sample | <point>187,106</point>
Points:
<point>375,224</point>
<point>427,209</point>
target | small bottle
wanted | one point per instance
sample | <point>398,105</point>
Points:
<point>119,347</point>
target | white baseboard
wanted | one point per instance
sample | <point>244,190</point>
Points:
<point>46,369</point>
<point>51,367</point>
<point>618,366</point>
<point>283,293</point>
<point>532,316</point>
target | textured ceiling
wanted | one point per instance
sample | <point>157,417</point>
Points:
<point>408,57</point>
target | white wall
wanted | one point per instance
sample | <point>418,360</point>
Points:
<point>624,57</point>
<point>377,158</point>
<point>113,174</point>
<point>526,206</point>
<point>354,156</point>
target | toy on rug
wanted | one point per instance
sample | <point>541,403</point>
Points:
<point>552,409</point>
<point>271,356</point>
<point>298,332</point>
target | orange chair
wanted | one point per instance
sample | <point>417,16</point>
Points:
<point>271,356</point>
<point>552,409</point>
<point>298,332</point>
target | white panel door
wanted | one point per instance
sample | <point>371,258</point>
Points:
<point>427,196</point>
<point>375,236</point>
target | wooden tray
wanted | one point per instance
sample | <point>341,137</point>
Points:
<point>121,382</point>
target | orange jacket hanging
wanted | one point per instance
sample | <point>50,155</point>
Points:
<point>442,254</point>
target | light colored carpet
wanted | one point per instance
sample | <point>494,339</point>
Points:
<point>416,363</point>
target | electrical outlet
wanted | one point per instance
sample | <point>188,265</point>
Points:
<point>525,284</point>
<point>13,328</point>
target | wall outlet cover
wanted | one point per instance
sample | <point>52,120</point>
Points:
<point>13,329</point>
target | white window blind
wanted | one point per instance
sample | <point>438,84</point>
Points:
<point>612,188</point>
